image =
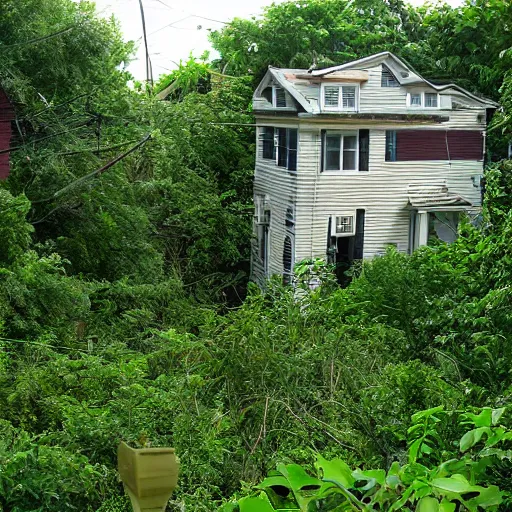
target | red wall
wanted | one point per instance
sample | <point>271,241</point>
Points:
<point>6,116</point>
<point>439,145</point>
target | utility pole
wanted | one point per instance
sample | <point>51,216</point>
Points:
<point>149,70</point>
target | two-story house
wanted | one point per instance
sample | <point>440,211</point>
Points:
<point>356,157</point>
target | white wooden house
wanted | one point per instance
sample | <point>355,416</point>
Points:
<point>356,157</point>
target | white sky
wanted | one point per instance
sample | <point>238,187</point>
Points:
<point>176,28</point>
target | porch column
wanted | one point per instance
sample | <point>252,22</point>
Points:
<point>422,223</point>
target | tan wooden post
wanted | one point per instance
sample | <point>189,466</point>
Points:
<point>149,475</point>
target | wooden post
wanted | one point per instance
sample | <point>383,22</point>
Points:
<point>149,475</point>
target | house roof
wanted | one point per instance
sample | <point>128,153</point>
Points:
<point>296,81</point>
<point>435,194</point>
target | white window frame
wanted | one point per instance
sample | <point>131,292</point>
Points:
<point>423,100</point>
<point>344,214</point>
<point>342,134</point>
<point>274,96</point>
<point>340,108</point>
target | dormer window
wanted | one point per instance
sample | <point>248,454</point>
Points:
<point>339,97</point>
<point>422,99</point>
<point>388,79</point>
<point>278,97</point>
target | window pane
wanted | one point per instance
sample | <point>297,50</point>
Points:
<point>268,142</point>
<point>292,138</point>
<point>349,97</point>
<point>388,79</point>
<point>416,100</point>
<point>282,148</point>
<point>349,160</point>
<point>332,160</point>
<point>431,100</point>
<point>292,159</point>
<point>333,141</point>
<point>349,142</point>
<point>390,146</point>
<point>331,96</point>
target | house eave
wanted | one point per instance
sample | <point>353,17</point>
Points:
<point>404,118</point>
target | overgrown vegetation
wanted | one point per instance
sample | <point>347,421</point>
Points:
<point>123,307</point>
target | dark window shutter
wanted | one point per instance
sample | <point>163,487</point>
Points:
<point>359,239</point>
<point>282,150</point>
<point>364,150</point>
<point>322,150</point>
<point>287,260</point>
<point>292,149</point>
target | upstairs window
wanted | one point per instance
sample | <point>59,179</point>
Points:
<point>280,145</point>
<point>423,99</point>
<point>430,100</point>
<point>267,138</point>
<point>340,151</point>
<point>388,79</point>
<point>279,98</point>
<point>340,97</point>
<point>287,148</point>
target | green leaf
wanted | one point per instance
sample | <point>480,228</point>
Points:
<point>335,469</point>
<point>488,497</point>
<point>497,414</point>
<point>414,449</point>
<point>469,439</point>
<point>447,506</point>
<point>259,503</point>
<point>426,414</point>
<point>484,419</point>
<point>298,479</point>
<point>427,504</point>
<point>456,483</point>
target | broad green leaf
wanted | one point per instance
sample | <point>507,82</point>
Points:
<point>447,506</point>
<point>484,419</point>
<point>488,497</point>
<point>278,484</point>
<point>497,414</point>
<point>413,450</point>
<point>469,439</point>
<point>259,503</point>
<point>297,477</point>
<point>427,504</point>
<point>335,469</point>
<point>456,484</point>
<point>426,413</point>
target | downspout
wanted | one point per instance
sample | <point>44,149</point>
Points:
<point>314,201</point>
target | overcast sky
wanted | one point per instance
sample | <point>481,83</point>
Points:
<point>175,28</point>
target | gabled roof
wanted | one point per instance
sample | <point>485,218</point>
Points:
<point>292,80</point>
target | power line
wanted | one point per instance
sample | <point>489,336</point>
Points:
<point>39,39</point>
<point>191,14</point>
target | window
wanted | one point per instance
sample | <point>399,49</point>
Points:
<point>279,97</point>
<point>431,100</point>
<point>342,225</point>
<point>290,218</point>
<point>341,151</point>
<point>388,79</point>
<point>267,137</point>
<point>340,97</point>
<point>287,148</point>
<point>267,94</point>
<point>390,146</point>
<point>415,99</point>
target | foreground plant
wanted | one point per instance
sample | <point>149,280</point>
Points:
<point>458,483</point>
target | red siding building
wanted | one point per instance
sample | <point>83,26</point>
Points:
<point>6,118</point>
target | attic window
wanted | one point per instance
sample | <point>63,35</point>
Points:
<point>279,97</point>
<point>340,97</point>
<point>388,79</point>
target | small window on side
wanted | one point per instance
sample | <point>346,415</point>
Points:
<point>267,137</point>
<point>390,146</point>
